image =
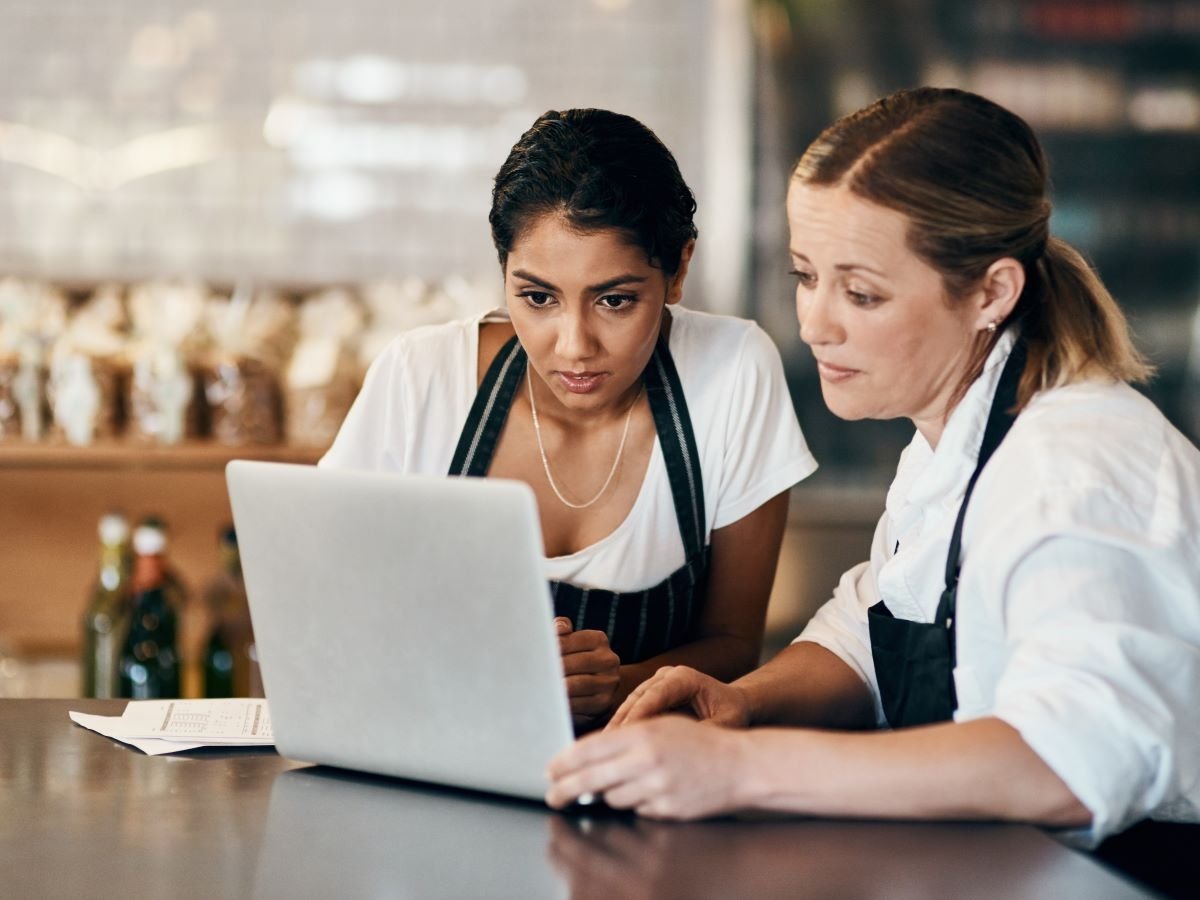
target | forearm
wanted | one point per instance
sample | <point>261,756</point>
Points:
<point>975,770</point>
<point>724,657</point>
<point>728,636</point>
<point>805,684</point>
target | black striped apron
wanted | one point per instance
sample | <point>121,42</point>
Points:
<point>639,624</point>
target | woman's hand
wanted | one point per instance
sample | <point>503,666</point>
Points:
<point>666,768</point>
<point>592,669</point>
<point>683,688</point>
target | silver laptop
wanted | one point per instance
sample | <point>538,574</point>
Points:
<point>403,623</point>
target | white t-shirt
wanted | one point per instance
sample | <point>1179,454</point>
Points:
<point>417,395</point>
<point>1078,618</point>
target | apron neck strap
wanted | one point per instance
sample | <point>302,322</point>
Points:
<point>664,392</point>
<point>478,439</point>
<point>1000,419</point>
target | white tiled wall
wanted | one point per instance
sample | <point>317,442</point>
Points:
<point>308,140</point>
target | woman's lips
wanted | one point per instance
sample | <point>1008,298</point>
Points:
<point>830,372</point>
<point>581,382</point>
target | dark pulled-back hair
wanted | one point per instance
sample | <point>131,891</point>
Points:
<point>598,170</point>
<point>971,178</point>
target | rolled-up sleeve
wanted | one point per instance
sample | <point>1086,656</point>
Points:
<point>1102,675</point>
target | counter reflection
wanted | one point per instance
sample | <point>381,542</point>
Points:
<point>334,833</point>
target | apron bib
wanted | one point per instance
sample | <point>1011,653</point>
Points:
<point>639,624</point>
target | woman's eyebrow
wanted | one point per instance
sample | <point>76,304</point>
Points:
<point>527,276</point>
<point>626,278</point>
<point>849,267</point>
<point>841,267</point>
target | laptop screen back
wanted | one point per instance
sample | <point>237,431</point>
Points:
<point>403,623</point>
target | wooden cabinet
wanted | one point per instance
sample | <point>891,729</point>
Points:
<point>51,498</point>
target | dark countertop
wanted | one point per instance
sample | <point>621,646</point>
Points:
<point>84,816</point>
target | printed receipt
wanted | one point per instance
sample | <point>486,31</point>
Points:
<point>168,726</point>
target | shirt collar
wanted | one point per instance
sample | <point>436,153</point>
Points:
<point>927,475</point>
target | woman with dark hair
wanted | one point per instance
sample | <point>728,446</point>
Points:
<point>1028,623</point>
<point>660,441</point>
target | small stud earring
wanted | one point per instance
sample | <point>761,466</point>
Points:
<point>992,326</point>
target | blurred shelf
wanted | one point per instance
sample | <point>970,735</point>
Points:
<point>190,455</point>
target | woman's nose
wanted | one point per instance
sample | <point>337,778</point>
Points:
<point>575,338</point>
<point>814,312</point>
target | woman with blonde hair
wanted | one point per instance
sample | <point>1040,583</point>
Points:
<point>1028,623</point>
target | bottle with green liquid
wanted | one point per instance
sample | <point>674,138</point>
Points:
<point>106,619</point>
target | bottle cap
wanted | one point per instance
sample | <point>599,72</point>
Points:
<point>149,540</point>
<point>113,529</point>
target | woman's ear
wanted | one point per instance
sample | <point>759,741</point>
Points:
<point>675,283</point>
<point>998,294</point>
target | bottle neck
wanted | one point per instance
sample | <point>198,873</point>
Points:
<point>112,558</point>
<point>114,566</point>
<point>149,571</point>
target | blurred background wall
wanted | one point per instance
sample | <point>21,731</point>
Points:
<point>1112,88</point>
<point>296,147</point>
<point>315,141</point>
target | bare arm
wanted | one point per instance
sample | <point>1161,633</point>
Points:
<point>973,770</point>
<point>804,684</point>
<point>728,636</point>
<point>673,768</point>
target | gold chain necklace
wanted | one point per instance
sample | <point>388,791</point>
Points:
<point>537,430</point>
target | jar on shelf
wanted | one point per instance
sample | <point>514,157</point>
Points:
<point>243,401</point>
<point>250,334</point>
<point>323,375</point>
<point>85,398</point>
<point>164,401</point>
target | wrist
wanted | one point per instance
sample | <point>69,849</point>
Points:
<point>745,702</point>
<point>746,785</point>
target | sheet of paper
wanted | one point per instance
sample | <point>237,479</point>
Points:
<point>168,726</point>
<point>104,725</point>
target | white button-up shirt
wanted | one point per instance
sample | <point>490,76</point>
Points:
<point>1078,616</point>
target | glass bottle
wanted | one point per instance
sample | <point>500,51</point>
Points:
<point>106,619</point>
<point>149,667</point>
<point>229,659</point>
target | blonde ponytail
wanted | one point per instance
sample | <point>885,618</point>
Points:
<point>1073,327</point>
